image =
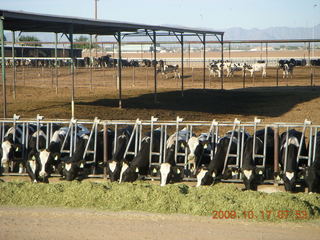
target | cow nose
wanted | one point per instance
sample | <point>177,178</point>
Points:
<point>43,174</point>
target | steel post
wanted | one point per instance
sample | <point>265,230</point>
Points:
<point>3,66</point>
<point>90,62</point>
<point>14,64</point>
<point>204,61</point>
<point>105,149</point>
<point>56,60</point>
<point>276,152</point>
<point>119,79</point>
<point>182,66</point>
<point>222,77</point>
<point>155,64</point>
<point>72,70</point>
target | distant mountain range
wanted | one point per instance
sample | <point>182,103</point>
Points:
<point>234,33</point>
<point>272,33</point>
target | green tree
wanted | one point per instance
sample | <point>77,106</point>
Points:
<point>32,39</point>
<point>83,42</point>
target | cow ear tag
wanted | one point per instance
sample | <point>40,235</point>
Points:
<point>260,172</point>
<point>33,157</point>
<point>17,149</point>
<point>178,171</point>
<point>154,170</point>
<point>137,170</point>
<point>205,146</point>
<point>81,165</point>
<point>56,158</point>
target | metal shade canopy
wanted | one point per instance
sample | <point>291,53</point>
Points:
<point>33,22</point>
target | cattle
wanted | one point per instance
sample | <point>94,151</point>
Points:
<point>169,171</point>
<point>11,147</point>
<point>287,67</point>
<point>139,166</point>
<point>114,165</point>
<point>257,67</point>
<point>290,169</point>
<point>145,63</point>
<point>215,170</point>
<point>199,150</point>
<point>251,175</point>
<point>236,67</point>
<point>166,69</point>
<point>215,67</point>
<point>40,164</point>
<point>312,173</point>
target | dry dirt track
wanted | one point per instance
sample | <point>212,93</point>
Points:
<point>58,223</point>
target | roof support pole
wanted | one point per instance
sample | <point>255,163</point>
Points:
<point>72,70</point>
<point>155,64</point>
<point>182,65</point>
<point>14,65</point>
<point>204,61</point>
<point>222,77</point>
<point>119,65</point>
<point>90,62</point>
<point>56,60</point>
<point>266,54</point>
<point>3,67</point>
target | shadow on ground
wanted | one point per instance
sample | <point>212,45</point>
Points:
<point>267,101</point>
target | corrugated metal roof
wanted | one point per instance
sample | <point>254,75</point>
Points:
<point>33,22</point>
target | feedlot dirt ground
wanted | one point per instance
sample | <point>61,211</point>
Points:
<point>291,103</point>
<point>58,223</point>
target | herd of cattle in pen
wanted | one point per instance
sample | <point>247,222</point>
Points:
<point>209,158</point>
<point>216,67</point>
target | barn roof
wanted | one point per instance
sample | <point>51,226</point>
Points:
<point>33,22</point>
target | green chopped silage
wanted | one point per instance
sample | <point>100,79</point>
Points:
<point>177,198</point>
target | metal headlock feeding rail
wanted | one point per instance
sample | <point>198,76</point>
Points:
<point>91,128</point>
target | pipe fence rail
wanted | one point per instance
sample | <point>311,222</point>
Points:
<point>214,130</point>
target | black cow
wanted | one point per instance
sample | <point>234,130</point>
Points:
<point>169,171</point>
<point>11,148</point>
<point>252,176</point>
<point>140,164</point>
<point>292,173</point>
<point>199,151</point>
<point>40,164</point>
<point>312,173</point>
<point>215,171</point>
<point>114,165</point>
<point>287,67</point>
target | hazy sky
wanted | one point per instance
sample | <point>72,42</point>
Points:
<point>211,14</point>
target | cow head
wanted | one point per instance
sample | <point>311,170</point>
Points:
<point>128,173</point>
<point>113,170</point>
<point>290,176</point>
<point>73,169</point>
<point>196,149</point>
<point>47,160</point>
<point>9,150</point>
<point>204,177</point>
<point>312,178</point>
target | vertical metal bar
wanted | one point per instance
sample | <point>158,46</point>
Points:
<point>105,149</point>
<point>95,148</point>
<point>115,138</point>
<point>119,68</point>
<point>242,147</point>
<point>276,150</point>
<point>165,142</point>
<point>14,64</point>
<point>286,151</point>
<point>162,140</point>
<point>56,60</point>
<point>182,65</point>
<point>244,77</point>
<point>310,145</point>
<point>204,61</point>
<point>314,146</point>
<point>266,54</point>
<point>90,62</point>
<point>140,136</point>
<point>151,141</point>
<point>277,77</point>
<point>48,136</point>
<point>3,66</point>
<point>222,66</point>
<point>265,146</point>
<point>155,64</point>
<point>72,70</point>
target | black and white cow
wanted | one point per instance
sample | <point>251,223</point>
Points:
<point>215,67</point>
<point>257,67</point>
<point>287,67</point>
<point>252,176</point>
<point>215,170</point>
<point>114,165</point>
<point>166,69</point>
<point>139,166</point>
<point>169,171</point>
<point>292,173</point>
<point>312,173</point>
<point>199,149</point>
<point>11,147</point>
<point>40,164</point>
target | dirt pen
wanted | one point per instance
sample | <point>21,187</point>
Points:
<point>143,78</point>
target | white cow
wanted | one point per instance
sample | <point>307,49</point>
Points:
<point>257,67</point>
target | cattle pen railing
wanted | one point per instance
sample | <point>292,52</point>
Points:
<point>140,127</point>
